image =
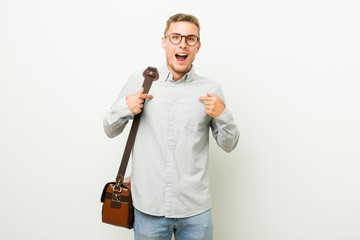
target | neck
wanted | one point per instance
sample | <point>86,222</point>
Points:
<point>177,75</point>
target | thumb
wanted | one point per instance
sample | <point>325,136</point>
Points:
<point>140,91</point>
<point>211,94</point>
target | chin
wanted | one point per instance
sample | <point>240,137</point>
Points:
<point>182,68</point>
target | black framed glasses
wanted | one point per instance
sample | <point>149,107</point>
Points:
<point>176,38</point>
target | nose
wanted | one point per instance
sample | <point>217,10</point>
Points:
<point>183,41</point>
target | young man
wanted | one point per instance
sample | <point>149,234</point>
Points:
<point>170,179</point>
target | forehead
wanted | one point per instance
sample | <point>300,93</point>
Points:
<point>184,28</point>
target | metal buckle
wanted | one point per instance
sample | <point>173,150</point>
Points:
<point>117,187</point>
<point>150,73</point>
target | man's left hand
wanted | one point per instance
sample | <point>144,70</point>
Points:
<point>214,105</point>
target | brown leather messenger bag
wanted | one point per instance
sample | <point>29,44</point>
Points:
<point>117,206</point>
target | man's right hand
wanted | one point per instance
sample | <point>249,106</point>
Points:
<point>135,101</point>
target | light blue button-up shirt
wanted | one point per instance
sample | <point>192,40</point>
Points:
<point>171,152</point>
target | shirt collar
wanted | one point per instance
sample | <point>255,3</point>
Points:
<point>167,76</point>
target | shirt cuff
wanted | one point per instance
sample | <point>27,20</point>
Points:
<point>224,117</point>
<point>122,108</point>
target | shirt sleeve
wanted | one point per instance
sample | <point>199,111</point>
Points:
<point>224,128</point>
<point>225,131</point>
<point>119,114</point>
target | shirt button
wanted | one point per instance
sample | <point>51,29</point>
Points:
<point>170,143</point>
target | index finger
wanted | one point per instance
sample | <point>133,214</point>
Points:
<point>203,98</point>
<point>145,95</point>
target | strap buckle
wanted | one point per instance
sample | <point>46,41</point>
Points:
<point>117,187</point>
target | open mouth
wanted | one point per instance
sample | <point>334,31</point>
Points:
<point>181,56</point>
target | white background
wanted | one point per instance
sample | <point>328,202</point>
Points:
<point>290,74</point>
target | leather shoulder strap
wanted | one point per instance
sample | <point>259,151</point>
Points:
<point>150,74</point>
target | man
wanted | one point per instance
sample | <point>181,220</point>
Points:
<point>170,179</point>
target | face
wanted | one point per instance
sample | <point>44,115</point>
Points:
<point>180,57</point>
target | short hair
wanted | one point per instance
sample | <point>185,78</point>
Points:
<point>181,17</point>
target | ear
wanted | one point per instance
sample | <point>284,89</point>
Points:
<point>198,47</point>
<point>163,42</point>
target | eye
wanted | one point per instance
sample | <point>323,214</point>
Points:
<point>175,37</point>
<point>191,38</point>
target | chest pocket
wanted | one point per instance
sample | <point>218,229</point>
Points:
<point>194,117</point>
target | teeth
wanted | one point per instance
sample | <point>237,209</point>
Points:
<point>182,54</point>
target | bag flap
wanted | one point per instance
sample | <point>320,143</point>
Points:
<point>102,199</point>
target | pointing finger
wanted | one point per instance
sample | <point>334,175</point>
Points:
<point>211,94</point>
<point>143,96</point>
<point>203,98</point>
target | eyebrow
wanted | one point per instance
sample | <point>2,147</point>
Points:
<point>184,35</point>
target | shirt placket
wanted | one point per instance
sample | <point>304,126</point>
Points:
<point>169,165</point>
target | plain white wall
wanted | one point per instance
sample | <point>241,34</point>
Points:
<point>290,74</point>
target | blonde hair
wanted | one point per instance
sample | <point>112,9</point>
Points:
<point>181,17</point>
